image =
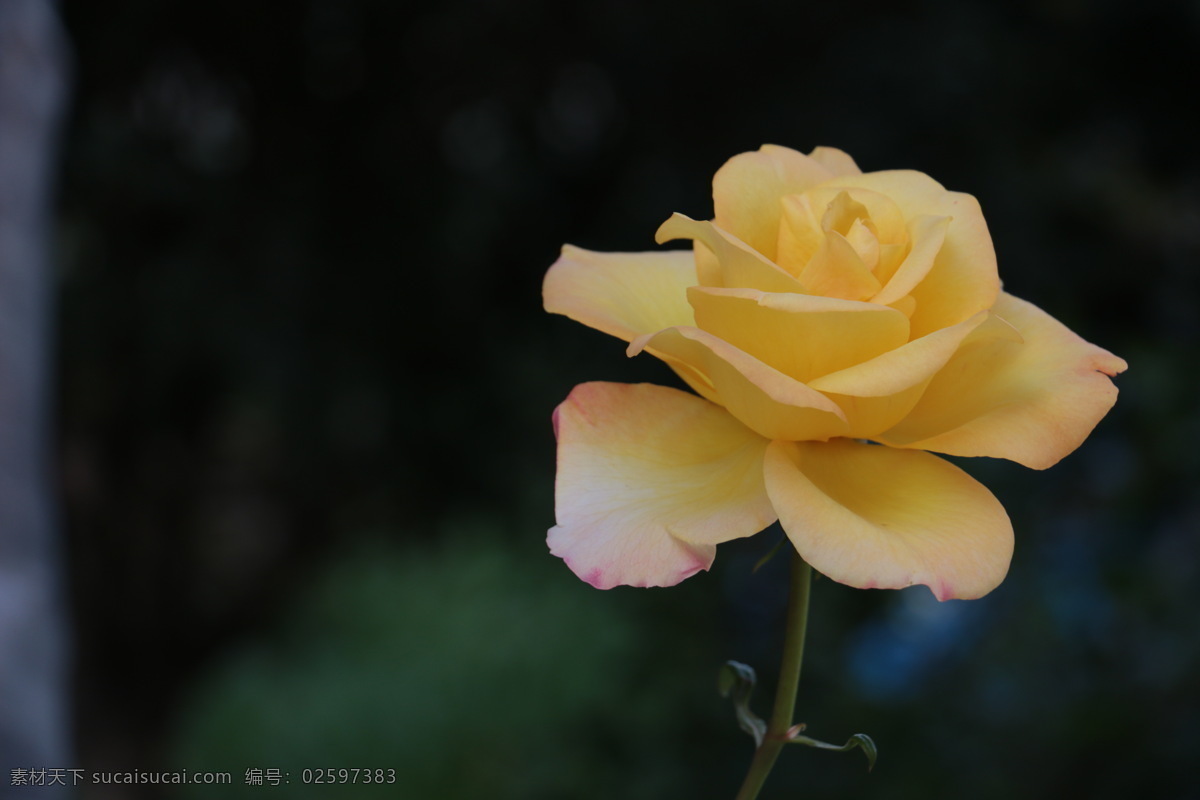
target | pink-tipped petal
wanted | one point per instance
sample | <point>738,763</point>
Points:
<point>650,480</point>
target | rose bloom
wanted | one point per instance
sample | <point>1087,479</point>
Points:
<point>839,328</point>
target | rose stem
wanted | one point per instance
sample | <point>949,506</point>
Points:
<point>789,680</point>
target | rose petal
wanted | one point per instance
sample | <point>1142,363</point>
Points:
<point>834,160</point>
<point>963,280</point>
<point>873,517</point>
<point>927,234</point>
<point>891,256</point>
<point>800,233</point>
<point>862,238</point>
<point>649,481</point>
<point>746,191</point>
<point>836,270</point>
<point>876,394</point>
<point>1032,402</point>
<point>911,363</point>
<point>800,335</point>
<point>842,212</point>
<point>905,305</point>
<point>889,220</point>
<point>763,398</point>
<point>623,294</point>
<point>740,265</point>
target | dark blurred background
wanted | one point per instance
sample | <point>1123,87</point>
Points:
<point>304,383</point>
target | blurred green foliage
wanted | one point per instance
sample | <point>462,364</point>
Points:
<point>467,668</point>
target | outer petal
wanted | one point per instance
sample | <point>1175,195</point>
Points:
<point>650,480</point>
<point>877,518</point>
<point>623,294</point>
<point>963,280</point>
<point>800,335</point>
<point>746,191</point>
<point>763,398</point>
<point>834,160</point>
<point>1032,402</point>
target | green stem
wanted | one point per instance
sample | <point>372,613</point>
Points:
<point>789,681</point>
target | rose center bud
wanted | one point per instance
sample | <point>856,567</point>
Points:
<point>863,237</point>
<point>852,220</point>
<point>843,243</point>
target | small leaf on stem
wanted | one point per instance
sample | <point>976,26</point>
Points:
<point>857,740</point>
<point>737,680</point>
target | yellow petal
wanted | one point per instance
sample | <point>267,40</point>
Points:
<point>842,212</point>
<point>861,236</point>
<point>910,363</point>
<point>623,294</point>
<point>649,481</point>
<point>834,160</point>
<point>800,233</point>
<point>802,336</point>
<point>763,398</point>
<point>836,270</point>
<point>876,394</point>
<point>708,268</point>
<point>887,217</point>
<point>891,256</point>
<point>905,305</point>
<point>1032,402</point>
<point>963,280</point>
<point>740,265</point>
<point>746,192</point>
<point>876,518</point>
<point>927,234</point>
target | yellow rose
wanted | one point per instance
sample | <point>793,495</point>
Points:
<point>823,312</point>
